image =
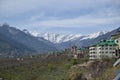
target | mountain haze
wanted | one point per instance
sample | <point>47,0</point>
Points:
<point>16,42</point>
<point>20,40</point>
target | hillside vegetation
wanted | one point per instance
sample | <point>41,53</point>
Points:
<point>54,67</point>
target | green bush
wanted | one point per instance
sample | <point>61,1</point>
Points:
<point>51,67</point>
<point>67,66</point>
<point>74,61</point>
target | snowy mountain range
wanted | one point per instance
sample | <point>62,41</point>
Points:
<point>17,42</point>
<point>60,38</point>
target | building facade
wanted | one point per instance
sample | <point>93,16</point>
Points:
<point>79,53</point>
<point>93,52</point>
<point>103,49</point>
<point>83,52</point>
<point>116,37</point>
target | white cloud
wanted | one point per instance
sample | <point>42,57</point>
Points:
<point>15,7</point>
<point>36,17</point>
<point>43,14</point>
<point>88,21</point>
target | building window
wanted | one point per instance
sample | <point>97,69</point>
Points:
<point>110,48</point>
<point>113,52</point>
<point>117,41</point>
<point>110,45</point>
<point>106,52</point>
<point>106,48</point>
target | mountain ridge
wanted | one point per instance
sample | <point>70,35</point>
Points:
<point>88,42</point>
<point>17,39</point>
<point>60,38</point>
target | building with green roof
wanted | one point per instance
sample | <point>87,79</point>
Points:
<point>106,43</point>
<point>103,49</point>
<point>83,52</point>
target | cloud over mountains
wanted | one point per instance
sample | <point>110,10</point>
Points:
<point>49,15</point>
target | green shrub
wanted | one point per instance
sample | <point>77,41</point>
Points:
<point>74,61</point>
<point>51,67</point>
<point>67,66</point>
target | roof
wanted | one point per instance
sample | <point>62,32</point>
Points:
<point>106,42</point>
<point>92,45</point>
<point>81,48</point>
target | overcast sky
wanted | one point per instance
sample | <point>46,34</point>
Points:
<point>61,16</point>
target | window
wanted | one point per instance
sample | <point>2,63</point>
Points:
<point>117,41</point>
<point>106,52</point>
<point>110,45</point>
<point>102,45</point>
<point>106,48</point>
<point>102,48</point>
<point>113,52</point>
<point>110,48</point>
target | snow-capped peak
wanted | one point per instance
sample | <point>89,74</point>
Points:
<point>59,38</point>
<point>56,38</point>
<point>94,35</point>
<point>34,33</point>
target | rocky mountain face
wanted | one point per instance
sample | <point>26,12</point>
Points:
<point>9,46</point>
<point>19,41</point>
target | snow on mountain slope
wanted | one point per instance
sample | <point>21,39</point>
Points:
<point>94,35</point>
<point>56,38</point>
<point>59,38</point>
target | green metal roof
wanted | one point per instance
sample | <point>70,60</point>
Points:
<point>106,42</point>
<point>81,48</point>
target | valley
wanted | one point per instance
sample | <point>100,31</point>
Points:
<point>24,56</point>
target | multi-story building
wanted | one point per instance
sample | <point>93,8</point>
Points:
<point>79,53</point>
<point>103,49</point>
<point>116,37</point>
<point>83,52</point>
<point>93,52</point>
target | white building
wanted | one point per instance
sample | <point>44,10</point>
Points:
<point>116,37</point>
<point>93,52</point>
<point>103,49</point>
